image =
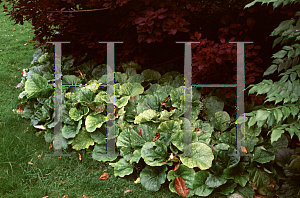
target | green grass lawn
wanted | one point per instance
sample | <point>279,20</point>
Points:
<point>47,176</point>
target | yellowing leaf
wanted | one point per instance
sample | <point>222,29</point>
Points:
<point>138,180</point>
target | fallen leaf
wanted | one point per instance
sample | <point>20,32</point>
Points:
<point>79,156</point>
<point>83,196</point>
<point>138,180</point>
<point>63,181</point>
<point>15,77</point>
<point>59,157</point>
<point>30,163</point>
<point>39,156</point>
<point>50,147</point>
<point>14,29</point>
<point>65,196</point>
<point>45,196</point>
<point>26,44</point>
<point>180,187</point>
<point>244,149</point>
<point>127,191</point>
<point>0,50</point>
<point>31,41</point>
<point>16,39</point>
<point>104,176</point>
<point>19,69</point>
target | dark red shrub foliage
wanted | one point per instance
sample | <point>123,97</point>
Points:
<point>143,23</point>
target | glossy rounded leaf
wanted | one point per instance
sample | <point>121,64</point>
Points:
<point>122,168</point>
<point>82,140</point>
<point>100,154</point>
<point>152,177</point>
<point>132,89</point>
<point>202,157</point>
<point>222,120</point>
<point>35,84</point>
<point>75,114</point>
<point>94,121</point>
<point>155,154</point>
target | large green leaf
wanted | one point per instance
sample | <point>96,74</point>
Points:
<point>70,80</point>
<point>222,120</point>
<point>35,84</point>
<point>131,89</point>
<point>122,102</point>
<point>150,74</point>
<point>146,116</point>
<point>214,181</point>
<point>153,177</point>
<point>130,138</point>
<point>199,186</point>
<point>76,114</point>
<point>100,154</point>
<point>261,155</point>
<point>85,94</point>
<point>170,126</point>
<point>147,132</point>
<point>155,154</point>
<point>70,131</point>
<point>149,102</point>
<point>94,121</point>
<point>202,157</point>
<point>212,105</point>
<point>238,174</point>
<point>122,168</point>
<point>82,140</point>
<point>178,139</point>
<point>228,187</point>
